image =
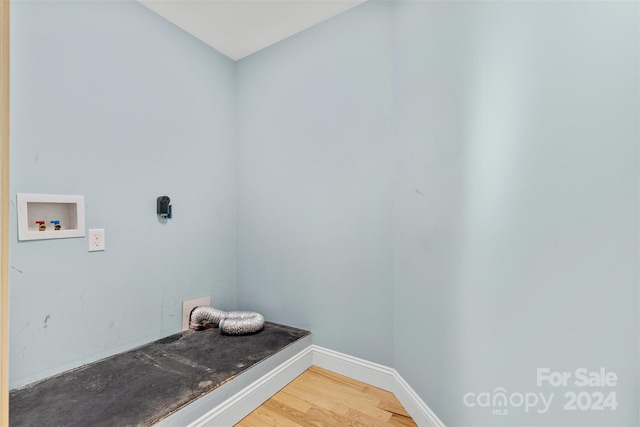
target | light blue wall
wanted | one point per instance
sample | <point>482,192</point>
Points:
<point>516,202</point>
<point>110,101</point>
<point>314,182</point>
<point>514,175</point>
<point>448,188</point>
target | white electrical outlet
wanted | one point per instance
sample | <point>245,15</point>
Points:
<point>188,306</point>
<point>96,239</point>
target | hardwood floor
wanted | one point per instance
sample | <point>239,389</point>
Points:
<point>323,398</point>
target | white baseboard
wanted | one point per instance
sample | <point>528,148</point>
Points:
<point>419,411</point>
<point>245,401</point>
<point>380,376</point>
<point>359,369</point>
<point>200,411</point>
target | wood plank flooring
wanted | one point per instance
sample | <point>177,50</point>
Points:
<point>323,398</point>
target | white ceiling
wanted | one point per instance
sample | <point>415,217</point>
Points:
<point>238,28</point>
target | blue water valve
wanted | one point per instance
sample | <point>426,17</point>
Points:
<point>56,224</point>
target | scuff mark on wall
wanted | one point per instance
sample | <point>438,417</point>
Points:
<point>46,319</point>
<point>18,270</point>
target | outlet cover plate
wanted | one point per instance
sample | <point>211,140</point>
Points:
<point>188,306</point>
<point>96,239</point>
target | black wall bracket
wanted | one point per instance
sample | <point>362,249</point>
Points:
<point>164,207</point>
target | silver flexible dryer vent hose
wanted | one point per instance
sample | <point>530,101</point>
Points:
<point>230,322</point>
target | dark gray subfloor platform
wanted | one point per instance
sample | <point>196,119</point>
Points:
<point>144,385</point>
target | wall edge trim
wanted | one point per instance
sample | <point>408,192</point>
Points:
<point>4,209</point>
